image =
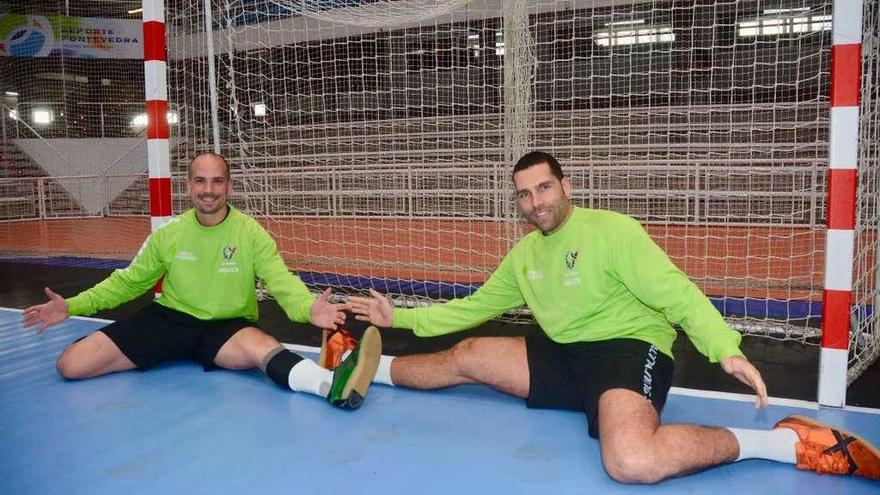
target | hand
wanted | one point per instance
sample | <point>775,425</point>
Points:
<point>46,314</point>
<point>376,309</point>
<point>745,372</point>
<point>324,314</point>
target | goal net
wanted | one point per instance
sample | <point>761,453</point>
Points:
<point>376,138</point>
<point>864,343</point>
<point>72,123</point>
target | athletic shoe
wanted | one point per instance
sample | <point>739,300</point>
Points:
<point>334,344</point>
<point>353,376</point>
<point>824,449</point>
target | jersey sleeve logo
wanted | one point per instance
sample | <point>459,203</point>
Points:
<point>185,256</point>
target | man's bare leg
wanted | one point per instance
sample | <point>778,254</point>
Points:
<point>251,347</point>
<point>636,448</point>
<point>92,356</point>
<point>245,349</point>
<point>499,362</point>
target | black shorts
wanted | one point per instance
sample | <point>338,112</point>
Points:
<point>157,334</point>
<point>573,376</point>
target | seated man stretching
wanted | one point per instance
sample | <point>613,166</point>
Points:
<point>606,298</point>
<point>210,256</point>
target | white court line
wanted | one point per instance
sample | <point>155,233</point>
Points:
<point>303,348</point>
<point>776,401</point>
<point>85,318</point>
<point>688,392</point>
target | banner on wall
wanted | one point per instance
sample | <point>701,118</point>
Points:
<point>73,37</point>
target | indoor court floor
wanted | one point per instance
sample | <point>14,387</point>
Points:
<point>177,429</point>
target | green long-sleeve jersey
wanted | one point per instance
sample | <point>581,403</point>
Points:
<point>209,272</point>
<point>599,277</point>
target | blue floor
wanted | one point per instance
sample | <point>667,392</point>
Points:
<point>179,430</point>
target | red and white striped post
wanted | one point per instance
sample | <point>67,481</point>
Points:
<point>843,144</point>
<point>156,92</point>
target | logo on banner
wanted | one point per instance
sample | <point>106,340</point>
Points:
<point>26,36</point>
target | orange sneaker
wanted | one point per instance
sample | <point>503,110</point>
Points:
<point>828,450</point>
<point>334,344</point>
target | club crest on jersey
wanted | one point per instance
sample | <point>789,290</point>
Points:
<point>228,265</point>
<point>228,252</point>
<point>570,259</point>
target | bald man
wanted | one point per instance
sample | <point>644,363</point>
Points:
<point>210,256</point>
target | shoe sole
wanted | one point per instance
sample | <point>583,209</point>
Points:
<point>817,423</point>
<point>368,363</point>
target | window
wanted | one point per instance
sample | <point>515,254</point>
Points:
<point>776,22</point>
<point>633,33</point>
<point>499,43</point>
<point>473,43</point>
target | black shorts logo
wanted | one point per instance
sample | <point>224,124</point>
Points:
<point>648,377</point>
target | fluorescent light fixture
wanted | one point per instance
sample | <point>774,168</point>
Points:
<point>787,11</point>
<point>259,109</point>
<point>136,11</point>
<point>626,23</point>
<point>42,116</point>
<point>11,93</point>
<point>139,120</point>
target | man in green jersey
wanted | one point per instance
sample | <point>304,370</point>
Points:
<point>210,257</point>
<point>606,298</point>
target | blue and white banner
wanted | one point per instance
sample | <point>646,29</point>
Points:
<point>74,37</point>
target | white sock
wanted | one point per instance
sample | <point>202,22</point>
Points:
<point>774,445</point>
<point>383,373</point>
<point>307,376</point>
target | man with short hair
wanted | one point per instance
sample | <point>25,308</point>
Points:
<point>210,257</point>
<point>606,298</point>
